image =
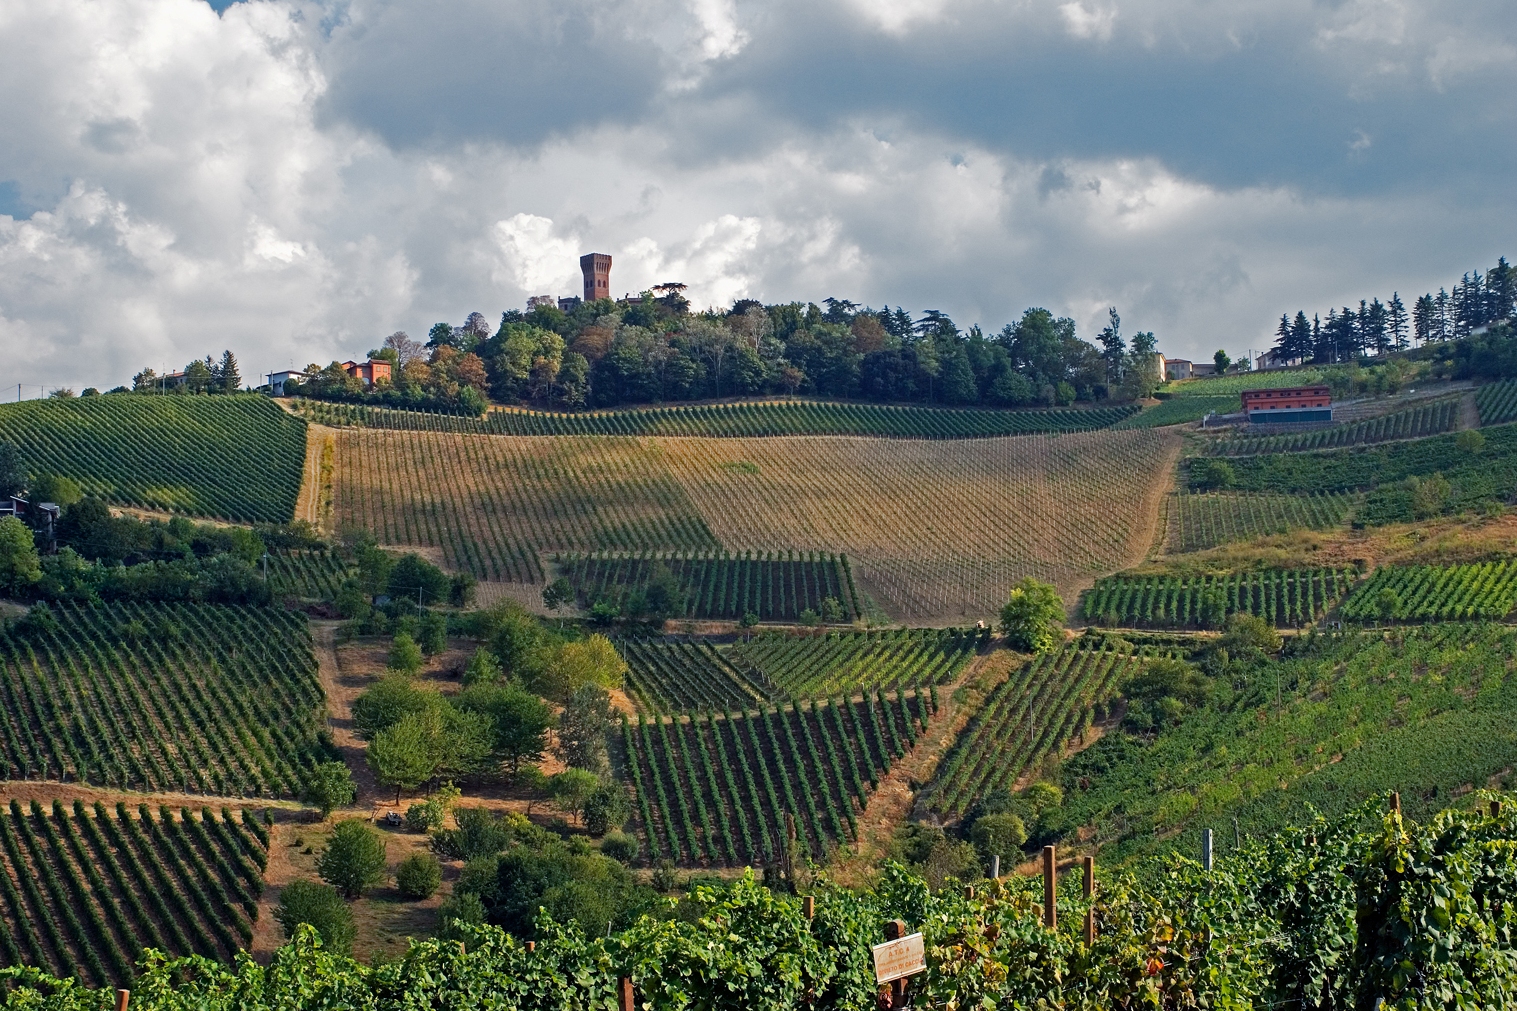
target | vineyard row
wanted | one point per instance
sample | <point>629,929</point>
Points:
<point>715,791</point>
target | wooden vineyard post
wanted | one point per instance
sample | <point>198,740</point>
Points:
<point>1090,893</point>
<point>1050,888</point>
<point>1395,803</point>
<point>995,867</point>
<point>123,998</point>
<point>531,947</point>
<point>625,1000</point>
<point>1206,850</point>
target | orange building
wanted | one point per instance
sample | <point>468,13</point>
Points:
<point>1289,404</point>
<point>369,372</point>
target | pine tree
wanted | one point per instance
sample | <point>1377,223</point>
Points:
<point>1303,338</point>
<point>1372,327</point>
<point>1395,312</point>
<point>227,373</point>
<point>1424,320</point>
<point>1283,337</point>
<point>1442,316</point>
<point>1501,291</point>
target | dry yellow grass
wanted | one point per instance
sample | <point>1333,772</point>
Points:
<point>936,531</point>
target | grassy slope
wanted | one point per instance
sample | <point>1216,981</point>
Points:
<point>234,457</point>
<point>1424,711</point>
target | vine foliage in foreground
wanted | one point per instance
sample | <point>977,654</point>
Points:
<point>1327,915</point>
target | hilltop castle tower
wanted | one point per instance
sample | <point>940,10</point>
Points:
<point>597,270</point>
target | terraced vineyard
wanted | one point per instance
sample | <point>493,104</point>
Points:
<point>725,421</point>
<point>83,894</point>
<point>1497,402</point>
<point>1201,520</point>
<point>233,457</point>
<point>775,586</point>
<point>309,575</point>
<point>933,531</point>
<point>1484,590</point>
<point>1285,598</point>
<point>1414,422</point>
<point>215,700</point>
<point>1030,716</point>
<point>715,791</point>
<point>776,666</point>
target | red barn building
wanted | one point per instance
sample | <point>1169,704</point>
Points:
<point>1289,404</point>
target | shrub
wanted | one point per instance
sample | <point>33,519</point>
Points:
<point>460,910</point>
<point>321,907</point>
<point>619,846</point>
<point>606,809</point>
<point>424,817</point>
<point>418,876</point>
<point>405,655</point>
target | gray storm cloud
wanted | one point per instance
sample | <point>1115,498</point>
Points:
<point>295,180</point>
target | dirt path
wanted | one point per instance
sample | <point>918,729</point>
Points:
<point>892,802</point>
<point>1469,414</point>
<point>342,688</point>
<point>314,503</point>
<point>45,791</point>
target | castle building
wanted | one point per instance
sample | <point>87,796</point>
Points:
<point>597,270</point>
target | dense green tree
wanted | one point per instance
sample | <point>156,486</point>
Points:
<point>1222,361</point>
<point>328,786</point>
<point>354,858</point>
<point>20,567</point>
<point>582,728</point>
<point>572,789</point>
<point>483,669</point>
<point>519,720</point>
<point>417,579</point>
<point>404,755</point>
<point>227,375</point>
<point>389,700</point>
<point>12,471</point>
<point>1033,618</point>
<point>998,835</point>
<point>62,491</point>
<point>320,906</point>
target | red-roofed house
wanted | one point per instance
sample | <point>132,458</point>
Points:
<point>369,372</point>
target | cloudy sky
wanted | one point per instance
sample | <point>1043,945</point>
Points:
<point>295,180</point>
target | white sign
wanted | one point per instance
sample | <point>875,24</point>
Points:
<point>899,959</point>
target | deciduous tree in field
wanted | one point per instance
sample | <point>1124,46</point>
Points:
<point>582,728</point>
<point>354,858</point>
<point>1033,618</point>
<point>402,756</point>
<point>329,786</point>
